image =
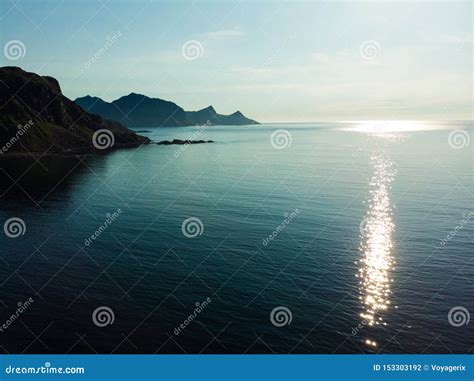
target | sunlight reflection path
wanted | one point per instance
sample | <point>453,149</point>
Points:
<point>376,245</point>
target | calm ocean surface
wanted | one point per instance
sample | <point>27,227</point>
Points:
<point>357,259</point>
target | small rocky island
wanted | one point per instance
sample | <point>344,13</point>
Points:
<point>178,141</point>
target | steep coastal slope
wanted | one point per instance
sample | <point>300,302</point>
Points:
<point>36,117</point>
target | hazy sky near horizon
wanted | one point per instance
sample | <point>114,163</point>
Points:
<point>274,61</point>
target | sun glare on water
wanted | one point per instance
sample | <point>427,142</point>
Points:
<point>383,127</point>
<point>376,246</point>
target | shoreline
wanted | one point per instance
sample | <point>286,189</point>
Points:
<point>72,153</point>
<point>92,151</point>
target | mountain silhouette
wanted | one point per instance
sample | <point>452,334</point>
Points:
<point>35,117</point>
<point>137,110</point>
<point>210,114</point>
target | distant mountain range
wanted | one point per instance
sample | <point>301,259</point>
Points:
<point>136,110</point>
<point>35,117</point>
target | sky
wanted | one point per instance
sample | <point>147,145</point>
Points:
<point>274,61</point>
